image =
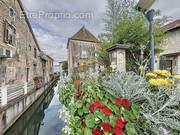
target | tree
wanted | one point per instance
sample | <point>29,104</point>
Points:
<point>134,32</point>
<point>102,54</point>
<point>125,25</point>
<point>65,67</point>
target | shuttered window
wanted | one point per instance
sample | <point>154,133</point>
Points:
<point>9,34</point>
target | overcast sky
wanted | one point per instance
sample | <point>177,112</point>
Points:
<point>52,31</point>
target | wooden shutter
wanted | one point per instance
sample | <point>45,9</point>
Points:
<point>6,25</point>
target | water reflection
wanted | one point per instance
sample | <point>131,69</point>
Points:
<point>41,118</point>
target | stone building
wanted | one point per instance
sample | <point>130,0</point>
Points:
<point>19,50</point>
<point>81,51</point>
<point>21,60</point>
<point>170,57</point>
<point>50,67</point>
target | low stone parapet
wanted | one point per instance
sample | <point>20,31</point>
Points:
<point>11,111</point>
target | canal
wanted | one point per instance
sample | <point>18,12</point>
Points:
<point>42,118</point>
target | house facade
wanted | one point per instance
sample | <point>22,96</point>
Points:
<point>19,50</point>
<point>50,67</point>
<point>23,66</point>
<point>170,57</point>
<point>81,51</point>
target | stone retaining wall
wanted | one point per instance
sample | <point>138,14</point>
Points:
<point>13,110</point>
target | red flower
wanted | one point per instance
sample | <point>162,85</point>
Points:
<point>126,103</point>
<point>117,129</point>
<point>78,93</point>
<point>108,102</point>
<point>107,111</point>
<point>106,126</point>
<point>102,108</point>
<point>97,103</point>
<point>79,82</point>
<point>83,123</point>
<point>91,107</point>
<point>119,121</point>
<point>118,101</point>
<point>96,132</point>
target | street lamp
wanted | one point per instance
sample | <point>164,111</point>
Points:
<point>144,5</point>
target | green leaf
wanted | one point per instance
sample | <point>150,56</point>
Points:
<point>101,115</point>
<point>127,115</point>
<point>97,121</point>
<point>85,109</point>
<point>73,109</point>
<point>78,122</point>
<point>115,109</point>
<point>112,120</point>
<point>87,131</point>
<point>130,129</point>
<point>89,120</point>
<point>79,104</point>
<point>135,109</point>
<point>107,96</point>
<point>80,111</point>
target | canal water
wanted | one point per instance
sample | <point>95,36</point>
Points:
<point>42,118</point>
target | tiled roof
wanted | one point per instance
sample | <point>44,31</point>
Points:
<point>84,35</point>
<point>172,25</point>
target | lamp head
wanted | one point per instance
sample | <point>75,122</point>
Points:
<point>144,5</point>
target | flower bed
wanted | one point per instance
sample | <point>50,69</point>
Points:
<point>95,112</point>
<point>120,104</point>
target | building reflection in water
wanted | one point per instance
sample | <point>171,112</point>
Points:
<point>31,121</point>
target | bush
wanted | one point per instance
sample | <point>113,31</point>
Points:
<point>158,109</point>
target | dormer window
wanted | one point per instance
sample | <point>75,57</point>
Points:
<point>11,12</point>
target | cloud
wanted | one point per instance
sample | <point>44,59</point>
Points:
<point>168,7</point>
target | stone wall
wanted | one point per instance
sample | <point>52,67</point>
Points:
<point>14,70</point>
<point>81,53</point>
<point>10,113</point>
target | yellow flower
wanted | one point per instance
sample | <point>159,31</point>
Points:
<point>171,81</point>
<point>150,75</point>
<point>158,72</point>
<point>165,73</point>
<point>141,68</point>
<point>162,73</point>
<point>159,81</point>
<point>177,76</point>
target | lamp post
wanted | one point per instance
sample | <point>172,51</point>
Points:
<point>144,5</point>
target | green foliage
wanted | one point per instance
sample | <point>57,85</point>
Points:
<point>134,32</point>
<point>157,109</point>
<point>81,109</point>
<point>125,25</point>
<point>102,54</point>
<point>65,66</point>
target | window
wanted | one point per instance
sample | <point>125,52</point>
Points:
<point>10,33</point>
<point>11,12</point>
<point>35,53</point>
<point>84,54</point>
